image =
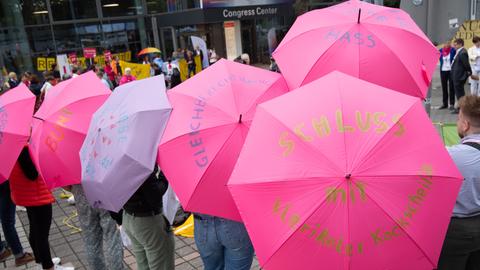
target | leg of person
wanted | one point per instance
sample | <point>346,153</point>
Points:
<point>91,230</point>
<point>238,247</point>
<point>473,262</point>
<point>32,235</point>
<point>7,216</point>
<point>444,80</point>
<point>4,213</point>
<point>451,90</point>
<point>459,244</point>
<point>113,242</point>
<point>156,237</point>
<point>473,83</point>
<point>210,249</point>
<point>129,223</point>
<point>41,220</point>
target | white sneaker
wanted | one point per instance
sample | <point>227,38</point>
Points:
<point>56,260</point>
<point>59,267</point>
<point>71,200</point>
<point>21,209</point>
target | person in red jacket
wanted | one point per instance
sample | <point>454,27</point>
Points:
<point>29,189</point>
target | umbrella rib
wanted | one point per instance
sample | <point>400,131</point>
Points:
<point>209,104</point>
<point>308,146</point>
<point>324,52</point>
<point>254,104</point>
<point>209,165</point>
<point>418,90</point>
<point>201,130</point>
<point>340,89</point>
<point>320,204</point>
<point>309,31</point>
<point>406,233</point>
<point>375,147</point>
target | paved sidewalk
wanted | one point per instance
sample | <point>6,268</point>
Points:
<point>66,242</point>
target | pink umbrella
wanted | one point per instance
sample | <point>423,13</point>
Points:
<point>344,182</point>
<point>60,127</point>
<point>374,43</point>
<point>210,119</point>
<point>16,110</point>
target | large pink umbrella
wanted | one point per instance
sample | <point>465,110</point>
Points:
<point>211,116</point>
<point>16,110</point>
<point>344,182</point>
<point>60,127</point>
<point>374,43</point>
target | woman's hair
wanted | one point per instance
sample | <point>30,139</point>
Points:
<point>128,71</point>
<point>26,164</point>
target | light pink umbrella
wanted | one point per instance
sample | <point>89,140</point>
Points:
<point>210,119</point>
<point>378,44</point>
<point>16,110</point>
<point>60,127</point>
<point>328,179</point>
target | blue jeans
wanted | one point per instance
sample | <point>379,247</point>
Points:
<point>7,217</point>
<point>223,244</point>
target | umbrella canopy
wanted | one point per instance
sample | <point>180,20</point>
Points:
<point>211,116</point>
<point>344,182</point>
<point>378,44</point>
<point>60,126</point>
<point>149,50</point>
<point>120,150</point>
<point>16,110</point>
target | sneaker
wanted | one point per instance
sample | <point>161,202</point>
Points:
<point>5,254</point>
<point>26,258</point>
<point>456,111</point>
<point>442,107</point>
<point>71,200</point>
<point>451,108</point>
<point>59,267</point>
<point>56,261</point>
<point>21,209</point>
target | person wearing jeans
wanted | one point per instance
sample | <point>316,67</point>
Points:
<point>29,189</point>
<point>223,244</point>
<point>7,217</point>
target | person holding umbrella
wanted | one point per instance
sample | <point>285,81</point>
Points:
<point>146,226</point>
<point>29,189</point>
<point>461,249</point>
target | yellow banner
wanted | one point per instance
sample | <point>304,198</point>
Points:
<point>41,63</point>
<point>100,59</point>
<point>138,70</point>
<point>182,65</point>
<point>467,31</point>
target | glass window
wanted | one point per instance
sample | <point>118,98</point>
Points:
<point>40,39</point>
<point>155,7</point>
<point>73,9</point>
<point>117,8</point>
<point>34,11</point>
<point>66,38</point>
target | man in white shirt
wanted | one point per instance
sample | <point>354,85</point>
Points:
<point>474,57</point>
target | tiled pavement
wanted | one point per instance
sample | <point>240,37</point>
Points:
<point>66,241</point>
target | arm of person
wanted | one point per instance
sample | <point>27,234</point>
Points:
<point>466,63</point>
<point>154,188</point>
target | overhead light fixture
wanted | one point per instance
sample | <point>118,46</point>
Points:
<point>111,5</point>
<point>40,12</point>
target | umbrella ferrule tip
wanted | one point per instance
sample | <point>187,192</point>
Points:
<point>348,176</point>
<point>240,119</point>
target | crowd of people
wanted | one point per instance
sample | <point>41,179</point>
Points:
<point>457,65</point>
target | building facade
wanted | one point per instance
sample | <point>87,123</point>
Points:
<point>441,20</point>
